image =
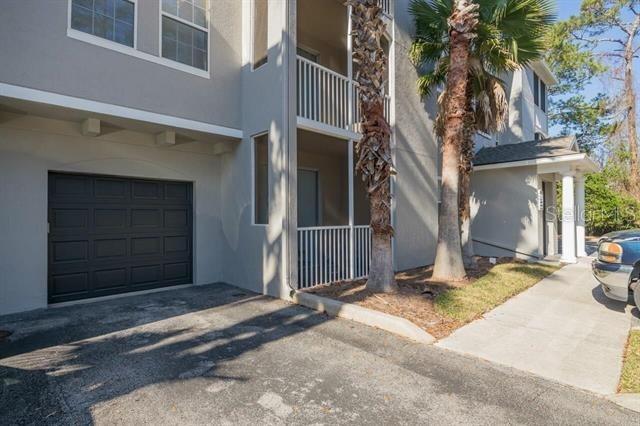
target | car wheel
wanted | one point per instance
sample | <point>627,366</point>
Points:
<point>636,296</point>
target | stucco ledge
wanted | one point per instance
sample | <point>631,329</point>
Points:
<point>370,317</point>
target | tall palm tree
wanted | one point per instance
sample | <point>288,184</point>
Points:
<point>373,151</point>
<point>509,35</point>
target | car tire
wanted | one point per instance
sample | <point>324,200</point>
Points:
<point>636,296</point>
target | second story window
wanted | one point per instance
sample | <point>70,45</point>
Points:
<point>539,93</point>
<point>185,32</point>
<point>259,22</point>
<point>109,19</point>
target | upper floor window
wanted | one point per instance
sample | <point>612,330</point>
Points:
<point>260,24</point>
<point>185,32</point>
<point>539,92</point>
<point>109,19</point>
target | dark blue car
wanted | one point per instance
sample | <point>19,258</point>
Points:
<point>617,266</point>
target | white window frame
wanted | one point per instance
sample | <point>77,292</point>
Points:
<point>191,24</point>
<point>253,178</point>
<point>133,51</point>
<point>252,36</point>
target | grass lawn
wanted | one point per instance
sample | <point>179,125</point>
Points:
<point>441,307</point>
<point>498,285</point>
<point>630,379</point>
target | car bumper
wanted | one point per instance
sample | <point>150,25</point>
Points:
<point>614,278</point>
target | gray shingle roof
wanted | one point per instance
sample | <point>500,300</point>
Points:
<point>529,150</point>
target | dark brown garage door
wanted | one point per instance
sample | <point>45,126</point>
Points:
<point>111,235</point>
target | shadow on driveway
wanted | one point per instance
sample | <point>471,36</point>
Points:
<point>98,352</point>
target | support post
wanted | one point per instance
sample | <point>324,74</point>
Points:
<point>580,217</point>
<point>351,211</point>
<point>568,220</point>
<point>351,88</point>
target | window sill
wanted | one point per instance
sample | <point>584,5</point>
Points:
<point>112,45</point>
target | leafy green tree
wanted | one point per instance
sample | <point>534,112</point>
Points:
<point>604,32</point>
<point>606,208</point>
<point>509,35</point>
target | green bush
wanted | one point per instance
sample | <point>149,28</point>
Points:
<point>608,209</point>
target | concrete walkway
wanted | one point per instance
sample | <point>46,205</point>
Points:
<point>563,328</point>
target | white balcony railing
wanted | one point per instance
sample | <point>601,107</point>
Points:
<point>324,96</point>
<point>386,6</point>
<point>325,254</point>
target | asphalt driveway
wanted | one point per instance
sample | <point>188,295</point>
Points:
<point>219,355</point>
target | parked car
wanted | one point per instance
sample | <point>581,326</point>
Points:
<point>617,266</point>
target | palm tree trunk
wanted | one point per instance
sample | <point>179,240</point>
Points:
<point>374,161</point>
<point>466,159</point>
<point>448,264</point>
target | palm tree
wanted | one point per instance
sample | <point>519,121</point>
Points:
<point>509,35</point>
<point>373,151</point>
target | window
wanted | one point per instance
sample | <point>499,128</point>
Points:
<point>539,92</point>
<point>261,179</point>
<point>260,26</point>
<point>109,19</point>
<point>185,32</point>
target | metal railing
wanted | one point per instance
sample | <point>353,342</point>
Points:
<point>323,94</point>
<point>328,254</point>
<point>386,6</point>
<point>327,97</point>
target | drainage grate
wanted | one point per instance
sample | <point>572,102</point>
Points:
<point>4,334</point>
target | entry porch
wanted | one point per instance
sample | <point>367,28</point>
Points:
<point>515,206</point>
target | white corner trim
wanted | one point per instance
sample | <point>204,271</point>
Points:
<point>578,157</point>
<point>55,99</point>
<point>121,48</point>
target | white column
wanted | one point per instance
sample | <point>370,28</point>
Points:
<point>568,220</point>
<point>580,216</point>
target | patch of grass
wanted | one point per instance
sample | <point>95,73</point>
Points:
<point>498,285</point>
<point>630,379</point>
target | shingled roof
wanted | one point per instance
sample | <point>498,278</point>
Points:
<point>531,150</point>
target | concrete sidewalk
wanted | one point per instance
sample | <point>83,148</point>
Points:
<point>563,328</point>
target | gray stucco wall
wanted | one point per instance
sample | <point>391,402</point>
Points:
<point>505,212</point>
<point>416,153</point>
<point>30,147</point>
<point>254,256</point>
<point>37,53</point>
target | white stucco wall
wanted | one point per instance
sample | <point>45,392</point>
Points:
<point>505,213</point>
<point>30,147</point>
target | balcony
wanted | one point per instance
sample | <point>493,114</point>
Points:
<point>326,93</point>
<point>327,98</point>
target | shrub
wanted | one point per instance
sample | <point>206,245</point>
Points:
<point>608,209</point>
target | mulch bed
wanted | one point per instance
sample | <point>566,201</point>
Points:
<point>414,300</point>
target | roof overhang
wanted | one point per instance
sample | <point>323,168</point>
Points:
<point>55,105</point>
<point>544,72</point>
<point>578,162</point>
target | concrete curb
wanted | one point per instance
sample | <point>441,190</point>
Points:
<point>390,323</point>
<point>630,401</point>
